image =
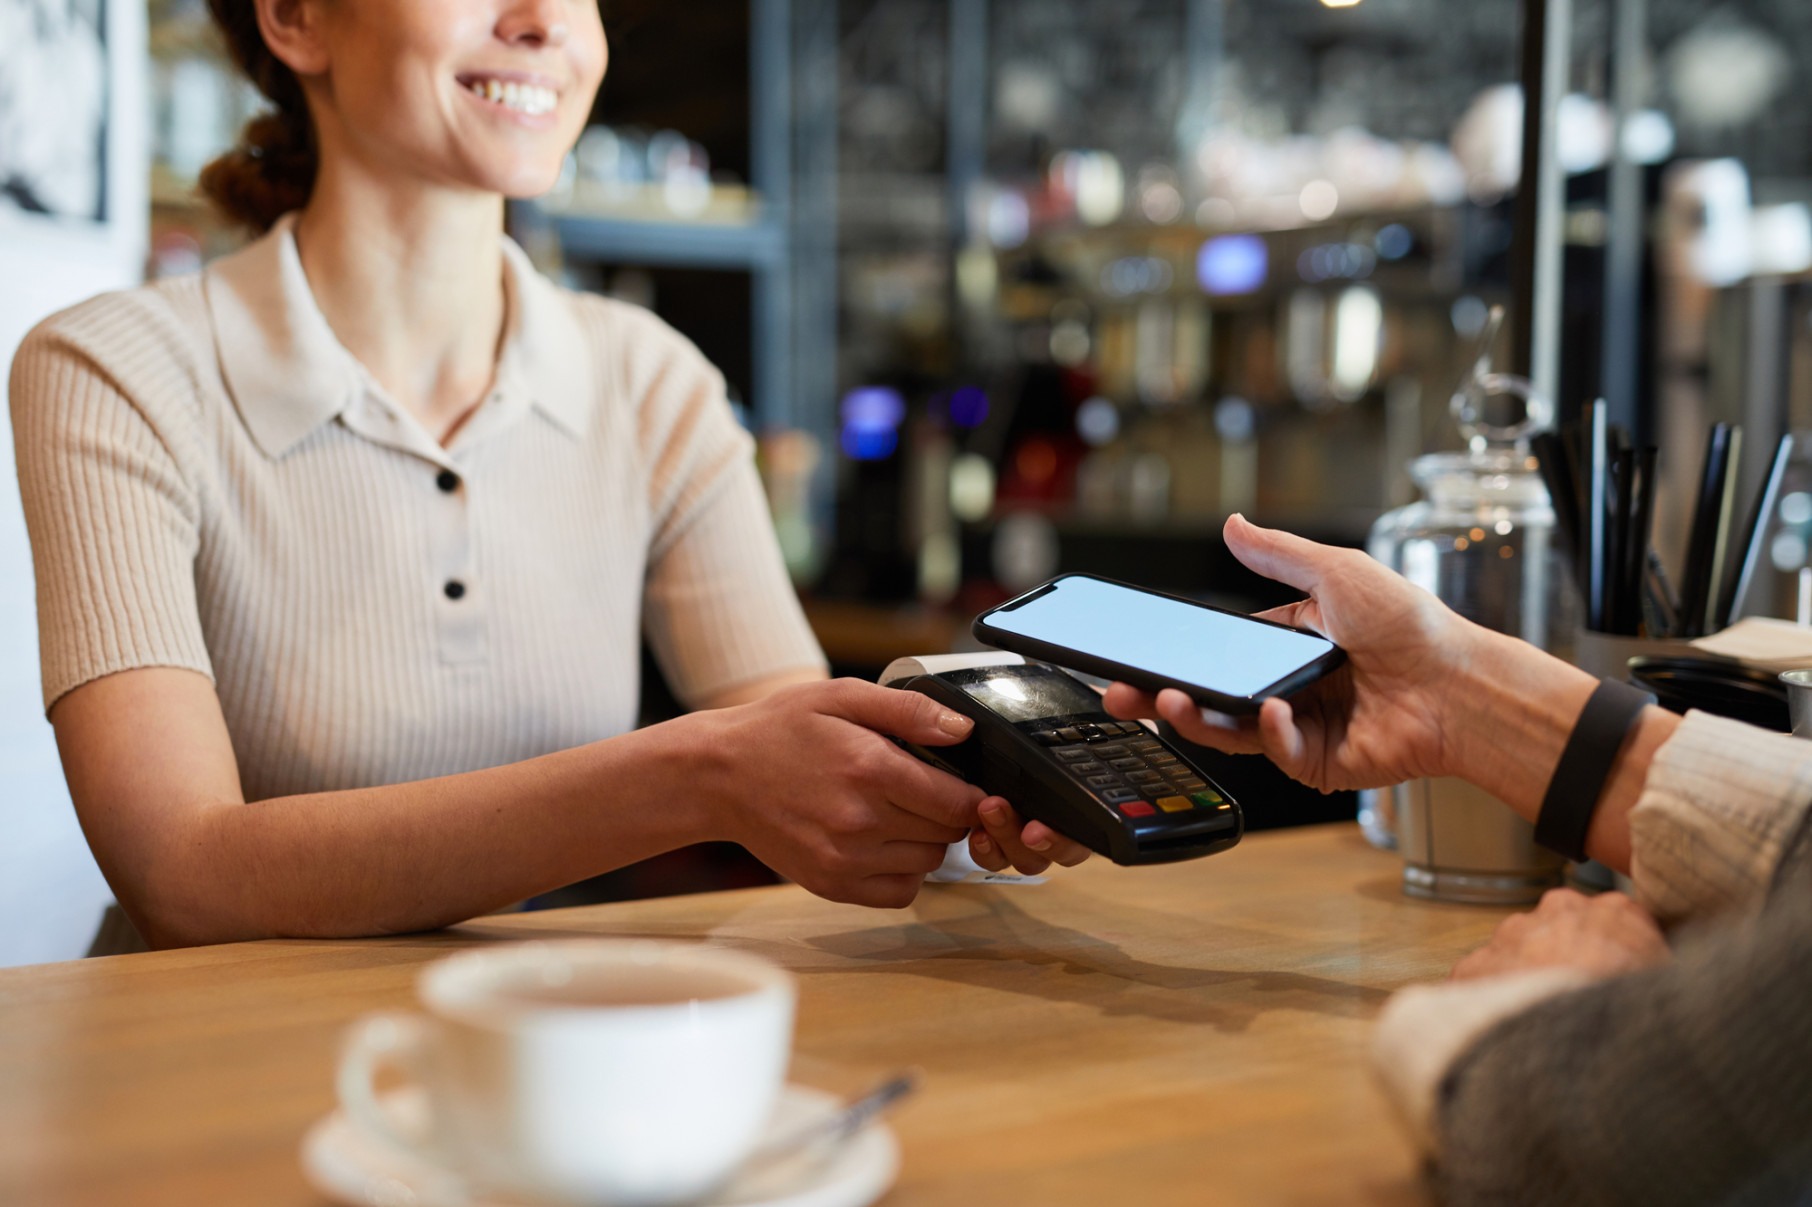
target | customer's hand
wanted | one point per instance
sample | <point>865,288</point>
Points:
<point>808,781</point>
<point>1606,935</point>
<point>1376,721</point>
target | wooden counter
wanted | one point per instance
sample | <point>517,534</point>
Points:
<point>1192,1034</point>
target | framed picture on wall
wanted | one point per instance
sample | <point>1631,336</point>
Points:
<point>54,103</point>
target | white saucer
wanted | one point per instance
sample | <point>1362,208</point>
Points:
<point>349,1167</point>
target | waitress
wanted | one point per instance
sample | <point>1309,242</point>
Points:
<point>366,524</point>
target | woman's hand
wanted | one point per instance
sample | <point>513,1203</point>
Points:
<point>1029,847</point>
<point>808,780</point>
<point>1379,720</point>
<point>1607,935</point>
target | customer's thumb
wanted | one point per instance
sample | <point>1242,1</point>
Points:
<point>1279,556</point>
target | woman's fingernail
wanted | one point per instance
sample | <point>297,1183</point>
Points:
<point>955,724</point>
<point>983,843</point>
<point>994,811</point>
<point>1039,844</point>
<point>1218,720</point>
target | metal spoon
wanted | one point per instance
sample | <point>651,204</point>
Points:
<point>830,1131</point>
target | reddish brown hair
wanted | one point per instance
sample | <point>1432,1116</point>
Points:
<point>272,170</point>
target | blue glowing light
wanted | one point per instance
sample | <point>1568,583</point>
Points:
<point>969,407</point>
<point>873,409</point>
<point>869,444</point>
<point>1394,242</point>
<point>1232,264</point>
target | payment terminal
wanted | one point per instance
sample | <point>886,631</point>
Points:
<point>1043,742</point>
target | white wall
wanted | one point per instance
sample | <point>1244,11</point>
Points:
<point>51,894</point>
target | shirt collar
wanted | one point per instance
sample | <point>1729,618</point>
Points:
<point>288,374</point>
<point>544,352</point>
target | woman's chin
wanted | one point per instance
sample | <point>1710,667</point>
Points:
<point>520,184</point>
<point>538,187</point>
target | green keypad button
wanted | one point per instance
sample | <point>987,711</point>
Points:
<point>1208,800</point>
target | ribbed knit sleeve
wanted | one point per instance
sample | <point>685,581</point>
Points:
<point>1719,803</point>
<point>719,610</point>
<point>114,524</point>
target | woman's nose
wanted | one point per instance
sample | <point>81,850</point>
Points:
<point>533,23</point>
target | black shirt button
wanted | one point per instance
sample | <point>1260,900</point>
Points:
<point>455,589</point>
<point>448,481</point>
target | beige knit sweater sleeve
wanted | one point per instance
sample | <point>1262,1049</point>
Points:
<point>719,611</point>
<point>114,521</point>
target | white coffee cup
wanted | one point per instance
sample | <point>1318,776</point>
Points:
<point>585,1071</point>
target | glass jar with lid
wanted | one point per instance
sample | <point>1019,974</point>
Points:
<point>1482,540</point>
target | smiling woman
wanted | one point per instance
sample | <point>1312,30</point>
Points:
<point>366,524</point>
<point>402,71</point>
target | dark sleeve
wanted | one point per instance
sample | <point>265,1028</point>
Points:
<point>1686,1084</point>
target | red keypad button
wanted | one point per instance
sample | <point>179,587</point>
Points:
<point>1137,808</point>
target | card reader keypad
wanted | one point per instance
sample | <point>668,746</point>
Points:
<point>1120,763</point>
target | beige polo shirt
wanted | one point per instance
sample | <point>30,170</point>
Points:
<point>212,481</point>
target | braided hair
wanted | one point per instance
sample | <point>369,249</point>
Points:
<point>272,169</point>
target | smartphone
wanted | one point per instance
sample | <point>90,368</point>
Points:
<point>1223,660</point>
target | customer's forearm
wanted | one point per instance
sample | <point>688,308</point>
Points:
<point>1515,708</point>
<point>419,855</point>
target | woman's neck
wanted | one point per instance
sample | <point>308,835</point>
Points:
<point>412,284</point>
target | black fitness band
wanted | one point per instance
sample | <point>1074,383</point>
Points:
<point>1566,811</point>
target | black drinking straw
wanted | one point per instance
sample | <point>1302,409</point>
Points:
<point>1597,509</point>
<point>1702,539</point>
<point>1756,532</point>
<point>1641,533</point>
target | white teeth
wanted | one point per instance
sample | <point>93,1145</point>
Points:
<point>523,98</point>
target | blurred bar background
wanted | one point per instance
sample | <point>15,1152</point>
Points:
<point>1008,287</point>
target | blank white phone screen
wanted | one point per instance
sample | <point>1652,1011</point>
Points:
<point>1224,653</point>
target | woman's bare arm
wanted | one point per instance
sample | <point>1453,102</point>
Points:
<point>761,689</point>
<point>804,778</point>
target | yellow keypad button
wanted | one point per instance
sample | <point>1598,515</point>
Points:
<point>1175,804</point>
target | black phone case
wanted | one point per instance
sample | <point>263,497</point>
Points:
<point>1080,660</point>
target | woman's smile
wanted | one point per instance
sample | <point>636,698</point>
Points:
<point>527,97</point>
